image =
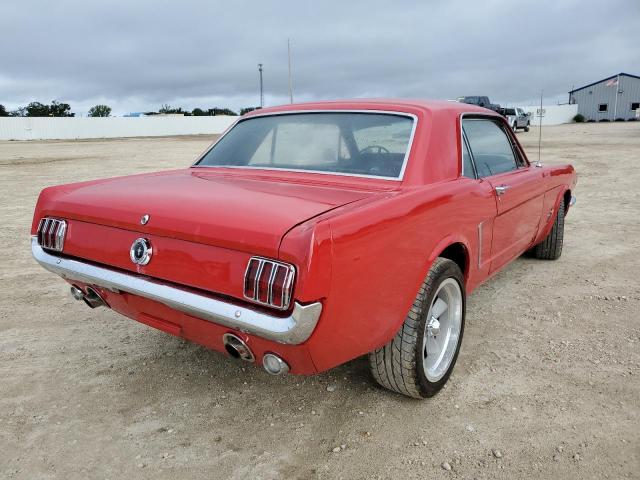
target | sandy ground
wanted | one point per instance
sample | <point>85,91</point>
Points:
<point>547,384</point>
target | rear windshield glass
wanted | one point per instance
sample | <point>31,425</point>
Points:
<point>373,144</point>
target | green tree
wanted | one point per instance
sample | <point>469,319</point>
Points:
<point>221,111</point>
<point>248,109</point>
<point>198,112</point>
<point>37,109</point>
<point>3,111</point>
<point>100,111</point>
<point>18,112</point>
<point>57,109</point>
<point>169,109</point>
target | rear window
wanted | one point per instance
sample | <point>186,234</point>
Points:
<point>371,144</point>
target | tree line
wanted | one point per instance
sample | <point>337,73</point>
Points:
<point>57,109</point>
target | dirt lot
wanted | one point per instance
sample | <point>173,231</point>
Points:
<point>548,377</point>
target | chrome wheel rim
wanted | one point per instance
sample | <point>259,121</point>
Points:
<point>442,330</point>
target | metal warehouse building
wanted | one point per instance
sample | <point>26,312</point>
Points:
<point>615,97</point>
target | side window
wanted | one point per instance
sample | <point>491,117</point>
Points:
<point>467,164</point>
<point>490,146</point>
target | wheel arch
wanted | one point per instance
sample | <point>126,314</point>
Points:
<point>456,249</point>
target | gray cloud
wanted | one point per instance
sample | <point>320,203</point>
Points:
<point>139,55</point>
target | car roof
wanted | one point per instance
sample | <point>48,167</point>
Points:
<point>384,104</point>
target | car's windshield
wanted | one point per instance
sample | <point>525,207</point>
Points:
<point>349,143</point>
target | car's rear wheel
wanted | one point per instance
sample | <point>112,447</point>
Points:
<point>418,361</point>
<point>551,247</point>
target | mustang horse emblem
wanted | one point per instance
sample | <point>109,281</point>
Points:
<point>141,251</point>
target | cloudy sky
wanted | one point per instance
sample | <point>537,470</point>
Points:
<point>138,55</point>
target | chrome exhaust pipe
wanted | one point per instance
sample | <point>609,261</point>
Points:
<point>77,293</point>
<point>93,299</point>
<point>236,347</point>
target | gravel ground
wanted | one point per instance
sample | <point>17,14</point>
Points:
<point>547,384</point>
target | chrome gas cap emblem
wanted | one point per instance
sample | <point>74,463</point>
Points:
<point>145,219</point>
<point>141,251</point>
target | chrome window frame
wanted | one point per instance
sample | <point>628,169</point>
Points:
<point>399,178</point>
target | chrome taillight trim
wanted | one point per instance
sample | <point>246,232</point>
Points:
<point>287,288</point>
<point>51,233</point>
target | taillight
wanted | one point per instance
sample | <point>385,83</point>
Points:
<point>51,232</point>
<point>269,282</point>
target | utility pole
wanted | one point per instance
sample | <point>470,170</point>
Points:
<point>615,108</point>
<point>261,89</point>
<point>540,127</point>
<point>290,81</point>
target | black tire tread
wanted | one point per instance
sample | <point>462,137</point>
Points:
<point>394,365</point>
<point>551,247</point>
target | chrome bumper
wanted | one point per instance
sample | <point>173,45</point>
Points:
<point>294,329</point>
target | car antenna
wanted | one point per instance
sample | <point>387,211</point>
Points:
<point>539,164</point>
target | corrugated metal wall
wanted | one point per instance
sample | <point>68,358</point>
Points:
<point>37,128</point>
<point>589,99</point>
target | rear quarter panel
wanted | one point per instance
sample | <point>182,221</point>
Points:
<point>381,253</point>
<point>558,181</point>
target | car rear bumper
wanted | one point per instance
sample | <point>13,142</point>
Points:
<point>293,329</point>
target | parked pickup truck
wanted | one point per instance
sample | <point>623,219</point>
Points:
<point>480,101</point>
<point>516,118</point>
<point>311,234</point>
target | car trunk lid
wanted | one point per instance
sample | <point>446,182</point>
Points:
<point>241,212</point>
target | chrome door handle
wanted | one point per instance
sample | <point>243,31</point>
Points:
<point>502,189</point>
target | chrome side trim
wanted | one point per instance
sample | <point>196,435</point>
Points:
<point>573,201</point>
<point>399,178</point>
<point>293,329</point>
<point>480,244</point>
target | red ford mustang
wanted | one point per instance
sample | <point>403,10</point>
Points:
<point>311,234</point>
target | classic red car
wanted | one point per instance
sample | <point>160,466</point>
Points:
<point>311,234</point>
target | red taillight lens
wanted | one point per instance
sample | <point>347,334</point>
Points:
<point>51,233</point>
<point>264,282</point>
<point>277,289</point>
<point>250,277</point>
<point>269,282</point>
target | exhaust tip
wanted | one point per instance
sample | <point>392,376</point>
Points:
<point>237,348</point>
<point>77,293</point>
<point>274,365</point>
<point>93,299</point>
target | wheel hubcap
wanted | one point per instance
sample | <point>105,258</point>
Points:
<point>442,332</point>
<point>433,326</point>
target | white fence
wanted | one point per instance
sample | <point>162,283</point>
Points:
<point>552,114</point>
<point>36,128</point>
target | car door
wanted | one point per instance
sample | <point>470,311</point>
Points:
<point>522,119</point>
<point>517,186</point>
